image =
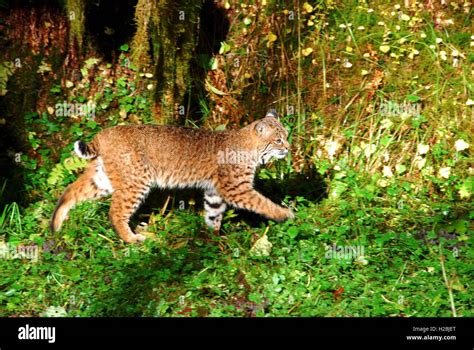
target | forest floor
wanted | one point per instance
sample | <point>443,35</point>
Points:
<point>343,258</point>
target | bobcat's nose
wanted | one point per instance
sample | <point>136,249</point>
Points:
<point>283,153</point>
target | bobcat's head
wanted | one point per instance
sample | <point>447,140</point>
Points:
<point>271,138</point>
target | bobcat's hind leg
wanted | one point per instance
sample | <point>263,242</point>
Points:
<point>124,204</point>
<point>215,207</point>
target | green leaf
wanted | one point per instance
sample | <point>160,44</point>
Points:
<point>293,232</point>
<point>73,273</point>
<point>121,82</point>
<point>413,98</point>
<point>74,163</point>
<point>461,226</point>
<point>55,89</point>
<point>91,61</point>
<point>417,121</point>
<point>400,168</point>
<point>224,48</point>
<point>337,188</point>
<point>385,140</point>
<point>466,189</point>
<point>323,166</point>
<point>54,311</point>
<point>91,124</point>
<point>262,247</point>
<point>215,90</point>
<point>213,63</point>
<point>56,175</point>
<point>124,47</point>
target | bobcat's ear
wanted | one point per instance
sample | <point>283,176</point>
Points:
<point>273,114</point>
<point>262,128</point>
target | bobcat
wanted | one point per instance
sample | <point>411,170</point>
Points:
<point>127,160</point>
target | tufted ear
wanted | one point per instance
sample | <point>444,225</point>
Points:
<point>272,113</point>
<point>262,128</point>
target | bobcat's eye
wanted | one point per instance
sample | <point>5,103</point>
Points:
<point>278,142</point>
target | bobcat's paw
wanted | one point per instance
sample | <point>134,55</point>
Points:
<point>284,214</point>
<point>136,238</point>
<point>291,215</point>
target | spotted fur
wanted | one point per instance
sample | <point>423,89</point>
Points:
<point>126,161</point>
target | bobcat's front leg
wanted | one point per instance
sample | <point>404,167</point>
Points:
<point>243,195</point>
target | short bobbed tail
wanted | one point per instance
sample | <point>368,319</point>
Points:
<point>84,150</point>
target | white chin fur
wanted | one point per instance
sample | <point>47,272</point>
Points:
<point>267,158</point>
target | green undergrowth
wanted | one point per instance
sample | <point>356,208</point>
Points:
<point>183,269</point>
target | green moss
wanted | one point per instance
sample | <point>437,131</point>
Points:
<point>141,41</point>
<point>75,15</point>
<point>6,69</point>
<point>173,28</point>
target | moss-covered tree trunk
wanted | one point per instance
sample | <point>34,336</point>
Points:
<point>165,39</point>
<point>75,15</point>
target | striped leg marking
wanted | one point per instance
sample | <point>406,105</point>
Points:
<point>215,208</point>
